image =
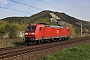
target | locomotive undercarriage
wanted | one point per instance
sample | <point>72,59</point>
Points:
<point>29,40</point>
<point>33,41</point>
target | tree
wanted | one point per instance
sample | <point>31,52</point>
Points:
<point>3,28</point>
<point>14,30</point>
<point>43,20</point>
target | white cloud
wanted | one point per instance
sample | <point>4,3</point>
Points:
<point>3,1</point>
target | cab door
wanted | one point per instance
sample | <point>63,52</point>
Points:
<point>41,32</point>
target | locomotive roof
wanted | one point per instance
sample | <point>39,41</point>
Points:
<point>54,26</point>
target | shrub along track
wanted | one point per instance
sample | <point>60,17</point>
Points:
<point>38,51</point>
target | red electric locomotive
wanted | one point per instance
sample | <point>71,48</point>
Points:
<point>40,33</point>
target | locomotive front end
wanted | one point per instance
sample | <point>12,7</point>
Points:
<point>30,34</point>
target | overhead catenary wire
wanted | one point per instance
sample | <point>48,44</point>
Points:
<point>50,5</point>
<point>15,10</point>
<point>26,5</point>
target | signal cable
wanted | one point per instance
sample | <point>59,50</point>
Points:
<point>15,10</point>
<point>27,5</point>
<point>50,4</point>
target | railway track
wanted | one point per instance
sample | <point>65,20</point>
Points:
<point>19,50</point>
<point>8,48</point>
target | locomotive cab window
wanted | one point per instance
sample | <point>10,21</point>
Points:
<point>40,29</point>
<point>31,28</point>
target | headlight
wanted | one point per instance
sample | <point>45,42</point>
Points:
<point>26,33</point>
<point>32,33</point>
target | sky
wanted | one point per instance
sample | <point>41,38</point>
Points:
<point>79,9</point>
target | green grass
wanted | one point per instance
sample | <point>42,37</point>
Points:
<point>74,53</point>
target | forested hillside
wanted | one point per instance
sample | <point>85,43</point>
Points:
<point>45,15</point>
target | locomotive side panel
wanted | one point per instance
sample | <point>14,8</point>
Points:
<point>50,32</point>
<point>63,32</point>
<point>47,33</point>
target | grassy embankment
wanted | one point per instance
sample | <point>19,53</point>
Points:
<point>11,42</point>
<point>75,53</point>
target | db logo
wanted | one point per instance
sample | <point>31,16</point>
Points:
<point>57,31</point>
